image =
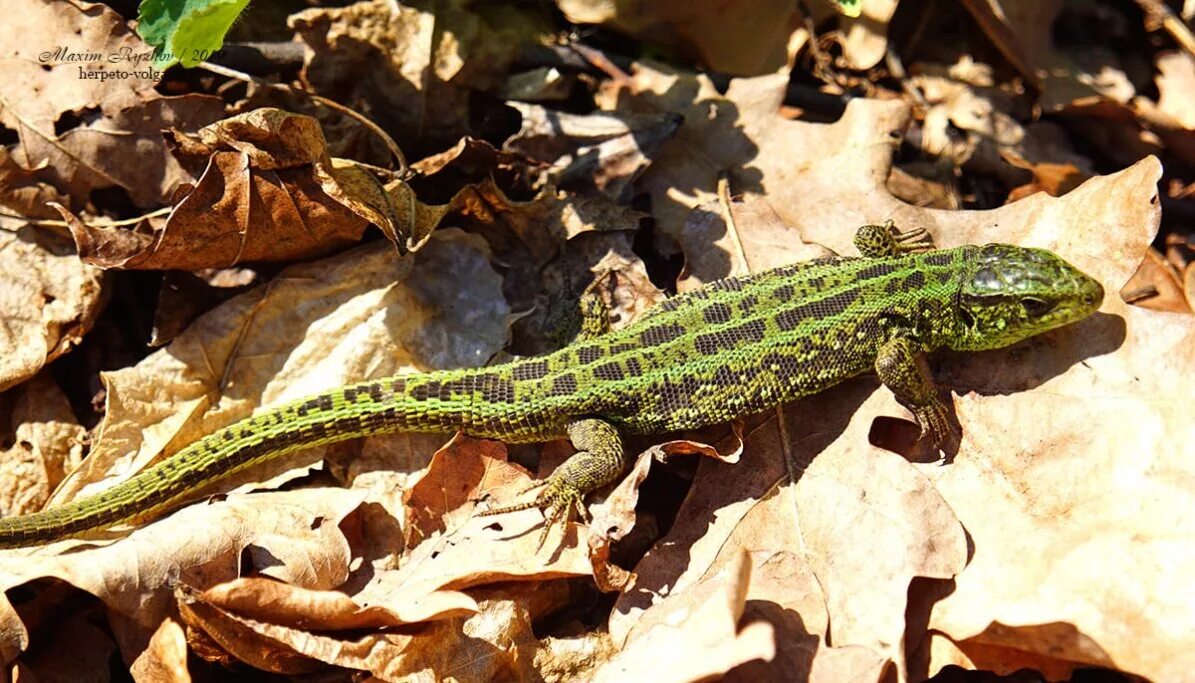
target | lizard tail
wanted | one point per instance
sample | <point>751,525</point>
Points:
<point>481,402</point>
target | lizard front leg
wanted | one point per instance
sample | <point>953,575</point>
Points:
<point>901,366</point>
<point>597,462</point>
<point>881,241</point>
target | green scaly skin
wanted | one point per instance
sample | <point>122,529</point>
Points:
<point>735,347</point>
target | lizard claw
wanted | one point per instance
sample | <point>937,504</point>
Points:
<point>935,423</point>
<point>559,501</point>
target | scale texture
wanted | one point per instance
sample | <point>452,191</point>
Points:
<point>735,347</point>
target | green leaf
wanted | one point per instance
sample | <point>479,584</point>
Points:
<point>186,31</point>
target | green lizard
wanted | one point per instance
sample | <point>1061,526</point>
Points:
<point>735,347</point>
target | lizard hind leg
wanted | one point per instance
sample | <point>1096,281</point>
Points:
<point>597,462</point>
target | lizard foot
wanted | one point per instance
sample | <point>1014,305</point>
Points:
<point>935,424</point>
<point>558,500</point>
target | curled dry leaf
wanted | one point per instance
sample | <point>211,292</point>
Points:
<point>293,536</point>
<point>165,657</point>
<point>362,314</point>
<point>268,192</point>
<point>1156,285</point>
<point>45,443</point>
<point>495,644</point>
<point>48,300</point>
<point>695,635</point>
<point>275,625</point>
<point>331,610</point>
<point>613,518</point>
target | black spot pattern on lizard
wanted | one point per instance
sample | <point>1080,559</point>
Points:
<point>311,405</point>
<point>610,370</point>
<point>633,367</point>
<point>660,334</point>
<point>529,370</point>
<point>427,390</point>
<point>725,377</point>
<point>731,284</point>
<point>710,343</point>
<point>941,258</point>
<point>914,281</point>
<point>784,293</point>
<point>373,390</point>
<point>944,277</point>
<point>748,303</point>
<point>496,389</point>
<point>588,354</point>
<point>564,385</point>
<point>717,312</point>
<point>830,306</point>
<point>876,270</point>
<point>752,330</point>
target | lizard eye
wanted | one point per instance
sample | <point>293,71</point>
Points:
<point>967,318</point>
<point>1036,308</point>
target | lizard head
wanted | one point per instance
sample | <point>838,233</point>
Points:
<point>1010,293</point>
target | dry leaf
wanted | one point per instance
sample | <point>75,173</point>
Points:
<point>684,172</point>
<point>732,38</point>
<point>269,192</point>
<point>75,647</point>
<point>329,610</point>
<point>1156,285</point>
<point>1176,83</point>
<point>293,536</point>
<point>742,237</point>
<point>48,300</point>
<point>165,658</point>
<point>865,37</point>
<point>695,635</point>
<point>122,147</point>
<point>22,191</point>
<point>39,78</point>
<point>413,67</point>
<point>44,442</point>
<point>594,152</point>
<point>613,517</point>
<point>495,644</point>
